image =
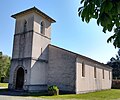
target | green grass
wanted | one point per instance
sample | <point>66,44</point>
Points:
<point>101,95</point>
<point>4,85</point>
<point>112,94</point>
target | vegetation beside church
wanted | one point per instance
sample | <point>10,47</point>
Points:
<point>107,14</point>
<point>4,66</point>
<point>115,64</point>
<point>53,90</point>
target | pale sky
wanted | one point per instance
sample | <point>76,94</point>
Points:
<point>69,32</point>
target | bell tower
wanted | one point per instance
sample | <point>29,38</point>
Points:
<point>30,53</point>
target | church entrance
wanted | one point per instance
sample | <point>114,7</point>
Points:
<point>20,79</point>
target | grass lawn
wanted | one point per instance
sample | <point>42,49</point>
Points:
<point>101,95</point>
<point>4,85</point>
<point>112,94</point>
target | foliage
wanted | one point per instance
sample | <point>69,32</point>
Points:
<point>107,14</point>
<point>53,90</point>
<point>4,65</point>
<point>115,64</point>
<point>4,85</point>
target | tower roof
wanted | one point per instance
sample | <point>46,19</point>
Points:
<point>36,10</point>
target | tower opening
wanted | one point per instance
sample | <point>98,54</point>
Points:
<point>42,27</point>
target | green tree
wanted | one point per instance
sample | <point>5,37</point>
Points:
<point>115,64</point>
<point>0,62</point>
<point>4,65</point>
<point>107,14</point>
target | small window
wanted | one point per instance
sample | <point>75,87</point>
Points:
<point>94,72</point>
<point>41,51</point>
<point>42,28</point>
<point>103,73</point>
<point>25,26</point>
<point>109,75</point>
<point>83,69</point>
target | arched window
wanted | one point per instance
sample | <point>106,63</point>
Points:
<point>42,28</point>
<point>25,26</point>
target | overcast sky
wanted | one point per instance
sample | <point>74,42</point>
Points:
<point>69,32</point>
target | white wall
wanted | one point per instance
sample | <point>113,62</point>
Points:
<point>40,44</point>
<point>40,41</point>
<point>38,73</point>
<point>89,83</point>
<point>37,20</point>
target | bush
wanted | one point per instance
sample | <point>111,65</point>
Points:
<point>53,90</point>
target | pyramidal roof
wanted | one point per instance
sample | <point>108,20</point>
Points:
<point>35,10</point>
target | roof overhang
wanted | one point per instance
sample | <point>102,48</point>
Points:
<point>35,10</point>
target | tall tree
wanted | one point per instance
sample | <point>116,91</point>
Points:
<point>107,14</point>
<point>0,63</point>
<point>4,65</point>
<point>115,64</point>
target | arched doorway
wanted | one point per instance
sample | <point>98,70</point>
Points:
<point>20,79</point>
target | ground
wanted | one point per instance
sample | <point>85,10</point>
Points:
<point>2,97</point>
<point>113,94</point>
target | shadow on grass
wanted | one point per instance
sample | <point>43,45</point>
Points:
<point>24,93</point>
<point>21,93</point>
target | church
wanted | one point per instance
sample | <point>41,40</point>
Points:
<point>37,64</point>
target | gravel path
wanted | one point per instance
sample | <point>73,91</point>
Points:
<point>18,95</point>
<point>3,97</point>
<point>15,95</point>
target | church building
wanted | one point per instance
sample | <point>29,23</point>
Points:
<point>36,64</point>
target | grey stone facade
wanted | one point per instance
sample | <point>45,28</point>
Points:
<point>61,69</point>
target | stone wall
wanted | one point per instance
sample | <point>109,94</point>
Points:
<point>22,46</point>
<point>38,73</point>
<point>61,69</point>
<point>30,51</point>
<point>20,21</point>
<point>15,64</point>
